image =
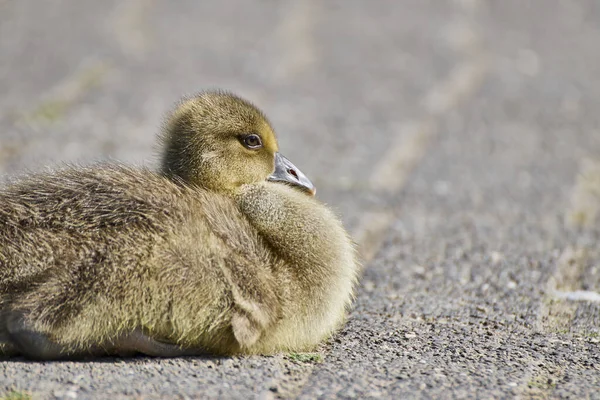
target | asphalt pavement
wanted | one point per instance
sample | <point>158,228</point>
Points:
<point>459,141</point>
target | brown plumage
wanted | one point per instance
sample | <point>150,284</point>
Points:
<point>223,251</point>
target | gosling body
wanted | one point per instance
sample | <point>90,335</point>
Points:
<point>209,255</point>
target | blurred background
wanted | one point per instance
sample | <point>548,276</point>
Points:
<point>342,81</point>
<point>459,140</point>
<point>85,80</point>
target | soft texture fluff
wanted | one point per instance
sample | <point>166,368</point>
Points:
<point>205,254</point>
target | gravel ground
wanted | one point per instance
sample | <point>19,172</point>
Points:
<point>459,140</point>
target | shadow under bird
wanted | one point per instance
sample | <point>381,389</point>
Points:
<point>224,250</point>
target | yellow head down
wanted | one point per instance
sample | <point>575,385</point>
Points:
<point>220,141</point>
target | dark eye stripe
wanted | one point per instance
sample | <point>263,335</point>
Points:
<point>252,141</point>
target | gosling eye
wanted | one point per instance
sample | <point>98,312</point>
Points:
<point>252,141</point>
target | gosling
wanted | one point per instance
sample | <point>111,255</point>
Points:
<point>223,251</point>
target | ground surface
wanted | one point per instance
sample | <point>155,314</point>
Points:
<point>459,140</point>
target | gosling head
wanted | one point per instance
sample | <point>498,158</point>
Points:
<point>221,142</point>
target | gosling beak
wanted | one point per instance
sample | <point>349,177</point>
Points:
<point>287,172</point>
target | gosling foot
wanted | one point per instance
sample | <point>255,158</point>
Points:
<point>35,345</point>
<point>38,346</point>
<point>138,342</point>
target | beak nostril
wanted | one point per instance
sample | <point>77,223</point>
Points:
<point>286,172</point>
<point>293,173</point>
